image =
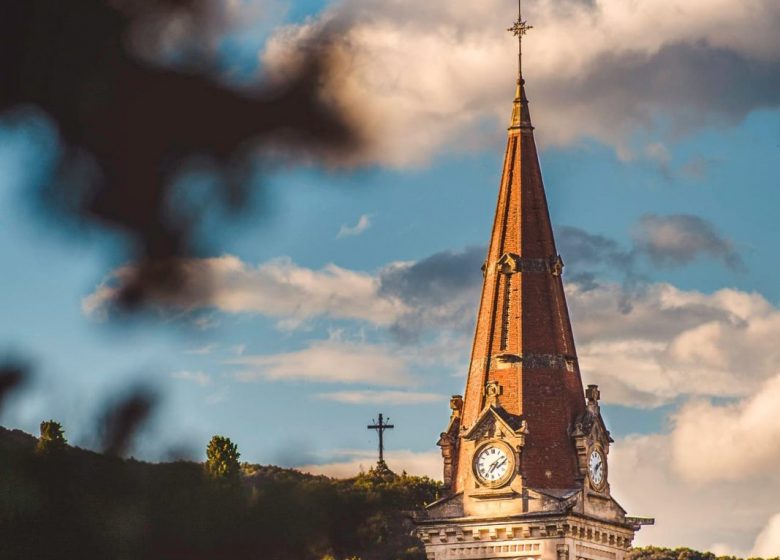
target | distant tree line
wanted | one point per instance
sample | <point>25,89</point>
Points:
<point>656,553</point>
<point>58,501</point>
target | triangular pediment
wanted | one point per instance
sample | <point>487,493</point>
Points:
<point>592,426</point>
<point>495,422</point>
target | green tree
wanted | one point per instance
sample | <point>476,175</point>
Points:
<point>222,458</point>
<point>52,437</point>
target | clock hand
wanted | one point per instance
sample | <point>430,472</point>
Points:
<point>497,464</point>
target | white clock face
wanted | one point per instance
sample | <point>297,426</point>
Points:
<point>492,463</point>
<point>596,468</point>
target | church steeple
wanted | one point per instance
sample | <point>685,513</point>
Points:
<point>525,454</point>
<point>523,340</point>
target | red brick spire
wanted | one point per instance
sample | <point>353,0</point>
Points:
<point>523,338</point>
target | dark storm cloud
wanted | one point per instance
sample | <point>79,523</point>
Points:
<point>592,259</point>
<point>441,289</point>
<point>582,250</point>
<point>127,128</point>
<point>690,84</point>
<point>435,278</point>
<point>679,239</point>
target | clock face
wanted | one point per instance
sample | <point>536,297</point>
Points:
<point>492,463</point>
<point>596,468</point>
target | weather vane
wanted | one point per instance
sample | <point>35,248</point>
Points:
<point>519,29</point>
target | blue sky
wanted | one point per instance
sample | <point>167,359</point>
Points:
<point>675,304</point>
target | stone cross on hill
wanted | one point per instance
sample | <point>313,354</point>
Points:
<point>380,427</point>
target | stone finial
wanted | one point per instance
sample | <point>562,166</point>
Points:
<point>456,405</point>
<point>593,394</point>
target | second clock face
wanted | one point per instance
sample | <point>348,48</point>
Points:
<point>596,468</point>
<point>492,463</point>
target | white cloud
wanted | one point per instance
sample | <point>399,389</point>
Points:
<point>659,343</point>
<point>422,77</point>
<point>201,323</point>
<point>218,397</point>
<point>197,377</point>
<point>277,288</point>
<point>728,442</point>
<point>329,361</point>
<point>393,398</point>
<point>203,350</point>
<point>360,227</point>
<point>712,482</point>
<point>644,346</point>
<point>767,543</point>
<point>701,516</point>
<point>353,462</point>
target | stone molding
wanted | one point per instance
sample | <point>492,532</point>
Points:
<point>474,532</point>
<point>510,263</point>
<point>553,539</point>
<point>535,361</point>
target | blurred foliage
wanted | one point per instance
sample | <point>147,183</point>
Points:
<point>656,553</point>
<point>91,505</point>
<point>222,458</point>
<point>52,437</point>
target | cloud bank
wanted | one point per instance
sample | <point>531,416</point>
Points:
<point>646,344</point>
<point>767,543</point>
<point>732,512</point>
<point>349,463</point>
<point>329,361</point>
<point>729,442</point>
<point>679,239</point>
<point>388,398</point>
<point>278,288</point>
<point>424,77</point>
<point>650,346</point>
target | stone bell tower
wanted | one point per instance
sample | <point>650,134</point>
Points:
<point>525,452</point>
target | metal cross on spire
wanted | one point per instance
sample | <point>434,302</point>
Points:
<point>380,427</point>
<point>519,30</point>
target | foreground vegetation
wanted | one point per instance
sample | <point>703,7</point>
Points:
<point>58,501</point>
